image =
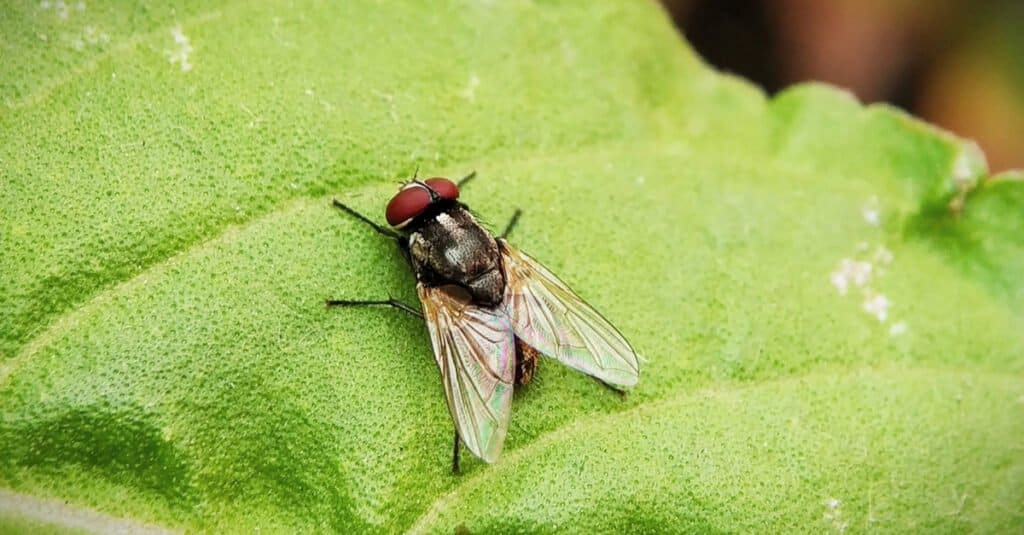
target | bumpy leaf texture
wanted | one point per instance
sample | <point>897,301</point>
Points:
<point>829,296</point>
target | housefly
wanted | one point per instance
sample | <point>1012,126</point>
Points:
<point>490,309</point>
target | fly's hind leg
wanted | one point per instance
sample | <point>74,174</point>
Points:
<point>395,303</point>
<point>455,453</point>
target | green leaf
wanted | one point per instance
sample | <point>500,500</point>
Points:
<point>168,240</point>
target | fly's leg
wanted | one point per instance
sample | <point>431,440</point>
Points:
<point>410,310</point>
<point>380,230</point>
<point>511,223</point>
<point>331,303</point>
<point>455,454</point>
<point>462,181</point>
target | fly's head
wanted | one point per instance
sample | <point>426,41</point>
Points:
<point>416,197</point>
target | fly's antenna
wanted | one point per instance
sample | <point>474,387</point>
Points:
<point>434,197</point>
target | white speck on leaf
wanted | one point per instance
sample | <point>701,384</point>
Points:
<point>871,212</point>
<point>834,514</point>
<point>898,329</point>
<point>962,171</point>
<point>882,255</point>
<point>80,6</point>
<point>851,272</point>
<point>469,93</point>
<point>276,34</point>
<point>60,7</point>
<point>877,306</point>
<point>180,55</point>
<point>641,180</point>
<point>255,119</point>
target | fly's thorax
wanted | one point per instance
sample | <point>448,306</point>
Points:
<point>452,248</point>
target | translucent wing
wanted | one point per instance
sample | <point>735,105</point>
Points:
<point>475,349</point>
<point>549,316</point>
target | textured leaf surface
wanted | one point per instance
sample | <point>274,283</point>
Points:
<point>829,296</point>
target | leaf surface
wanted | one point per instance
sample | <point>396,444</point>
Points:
<point>828,295</point>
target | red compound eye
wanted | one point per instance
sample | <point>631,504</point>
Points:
<point>446,189</point>
<point>407,204</point>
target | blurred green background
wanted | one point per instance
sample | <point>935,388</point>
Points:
<point>956,63</point>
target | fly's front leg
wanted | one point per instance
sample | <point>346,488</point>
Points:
<point>380,230</point>
<point>401,241</point>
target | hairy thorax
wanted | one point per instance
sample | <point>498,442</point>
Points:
<point>452,248</point>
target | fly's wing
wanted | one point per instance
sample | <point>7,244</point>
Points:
<point>475,350</point>
<point>549,316</point>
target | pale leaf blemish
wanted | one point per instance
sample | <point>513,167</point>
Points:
<point>898,329</point>
<point>641,180</point>
<point>469,93</point>
<point>851,272</point>
<point>90,36</point>
<point>60,7</point>
<point>882,256</point>
<point>255,119</point>
<point>327,106</point>
<point>877,306</point>
<point>386,97</point>
<point>963,172</point>
<point>871,212</point>
<point>276,34</point>
<point>181,53</point>
<point>959,501</point>
<point>834,514</point>
<point>840,281</point>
